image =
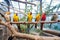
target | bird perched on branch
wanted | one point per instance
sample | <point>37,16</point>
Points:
<point>15,18</point>
<point>43,18</point>
<point>29,17</point>
<point>37,19</point>
<point>54,18</point>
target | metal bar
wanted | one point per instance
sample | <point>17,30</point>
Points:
<point>8,3</point>
<point>41,6</point>
<point>12,6</point>
<point>19,6</point>
<point>25,2</point>
<point>3,8</point>
<point>16,10</point>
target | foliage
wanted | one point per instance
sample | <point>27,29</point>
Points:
<point>23,19</point>
<point>23,28</point>
<point>51,10</point>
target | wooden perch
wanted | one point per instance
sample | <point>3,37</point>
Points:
<point>34,22</point>
<point>27,36</point>
<point>52,32</point>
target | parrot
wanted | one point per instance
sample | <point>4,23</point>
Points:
<point>29,19</point>
<point>54,18</point>
<point>15,18</point>
<point>43,18</point>
<point>37,19</point>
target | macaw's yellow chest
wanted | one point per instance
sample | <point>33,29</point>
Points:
<point>15,18</point>
<point>37,17</point>
<point>30,18</point>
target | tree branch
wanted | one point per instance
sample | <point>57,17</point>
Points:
<point>27,36</point>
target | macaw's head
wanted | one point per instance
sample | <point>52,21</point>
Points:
<point>16,14</point>
<point>54,14</point>
<point>30,13</point>
<point>43,13</point>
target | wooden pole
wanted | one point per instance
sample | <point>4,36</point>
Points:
<point>54,32</point>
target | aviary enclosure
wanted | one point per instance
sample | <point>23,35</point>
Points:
<point>30,20</point>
